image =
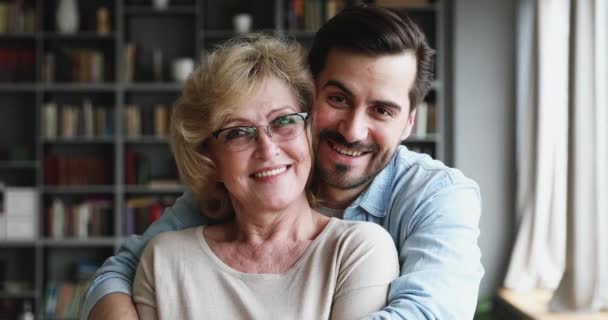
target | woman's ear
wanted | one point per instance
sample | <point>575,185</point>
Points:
<point>203,148</point>
<point>206,150</point>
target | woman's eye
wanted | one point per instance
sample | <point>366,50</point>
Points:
<point>236,133</point>
<point>283,121</point>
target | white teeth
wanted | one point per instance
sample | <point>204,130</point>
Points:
<point>270,172</point>
<point>347,152</point>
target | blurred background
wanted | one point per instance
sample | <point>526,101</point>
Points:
<point>86,89</point>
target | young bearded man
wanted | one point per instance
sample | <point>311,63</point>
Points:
<point>371,68</point>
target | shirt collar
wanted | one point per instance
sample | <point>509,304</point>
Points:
<point>376,197</point>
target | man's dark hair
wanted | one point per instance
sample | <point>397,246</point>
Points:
<point>375,31</point>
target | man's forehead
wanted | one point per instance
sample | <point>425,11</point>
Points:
<point>350,67</point>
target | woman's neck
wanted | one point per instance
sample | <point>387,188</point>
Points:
<point>266,241</point>
<point>255,225</point>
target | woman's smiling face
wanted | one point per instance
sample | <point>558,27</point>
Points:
<point>272,172</point>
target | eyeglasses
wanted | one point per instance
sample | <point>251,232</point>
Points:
<point>280,129</point>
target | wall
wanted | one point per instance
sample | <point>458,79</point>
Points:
<point>484,121</point>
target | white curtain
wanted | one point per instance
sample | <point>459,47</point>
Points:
<point>562,144</point>
<point>584,286</point>
<point>538,256</point>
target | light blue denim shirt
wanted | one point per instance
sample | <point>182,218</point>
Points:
<point>431,211</point>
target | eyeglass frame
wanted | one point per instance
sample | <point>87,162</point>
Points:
<point>305,116</point>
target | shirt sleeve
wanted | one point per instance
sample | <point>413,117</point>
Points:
<point>144,288</point>
<point>117,273</point>
<point>439,256</point>
<point>368,263</point>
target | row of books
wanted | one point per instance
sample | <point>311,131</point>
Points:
<point>147,121</point>
<point>15,18</point>
<point>137,172</point>
<point>310,14</point>
<point>137,168</point>
<point>63,298</point>
<point>88,218</point>
<point>77,170</point>
<point>75,65</point>
<point>142,211</point>
<point>17,65</point>
<point>69,121</point>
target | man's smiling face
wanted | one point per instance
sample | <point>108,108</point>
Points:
<point>362,113</point>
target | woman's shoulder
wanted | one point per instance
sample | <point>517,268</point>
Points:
<point>173,242</point>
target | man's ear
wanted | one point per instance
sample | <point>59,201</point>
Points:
<point>411,119</point>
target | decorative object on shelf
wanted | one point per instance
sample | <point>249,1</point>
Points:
<point>242,22</point>
<point>103,20</point>
<point>160,4</point>
<point>182,68</point>
<point>66,17</point>
<point>27,313</point>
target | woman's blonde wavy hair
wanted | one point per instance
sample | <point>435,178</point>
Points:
<point>231,75</point>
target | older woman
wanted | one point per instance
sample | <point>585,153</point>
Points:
<point>239,136</point>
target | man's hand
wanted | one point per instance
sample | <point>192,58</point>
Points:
<point>114,306</point>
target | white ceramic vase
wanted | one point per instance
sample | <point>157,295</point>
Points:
<point>66,17</point>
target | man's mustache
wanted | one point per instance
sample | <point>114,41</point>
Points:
<point>337,138</point>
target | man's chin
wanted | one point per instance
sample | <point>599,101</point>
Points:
<point>344,181</point>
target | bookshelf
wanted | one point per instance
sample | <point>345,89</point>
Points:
<point>64,133</point>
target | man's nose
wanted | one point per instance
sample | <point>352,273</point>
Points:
<point>354,126</point>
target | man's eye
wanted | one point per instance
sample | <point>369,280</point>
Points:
<point>336,99</point>
<point>237,133</point>
<point>383,111</point>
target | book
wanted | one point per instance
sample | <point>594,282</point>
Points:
<point>58,213</point>
<point>133,121</point>
<point>130,167</point>
<point>49,120</point>
<point>432,118</point>
<point>88,119</point>
<point>161,120</point>
<point>129,58</point>
<point>420,124</point>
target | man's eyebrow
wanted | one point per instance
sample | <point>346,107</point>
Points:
<point>336,83</point>
<point>387,103</point>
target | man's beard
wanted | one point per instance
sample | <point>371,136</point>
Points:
<point>337,177</point>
